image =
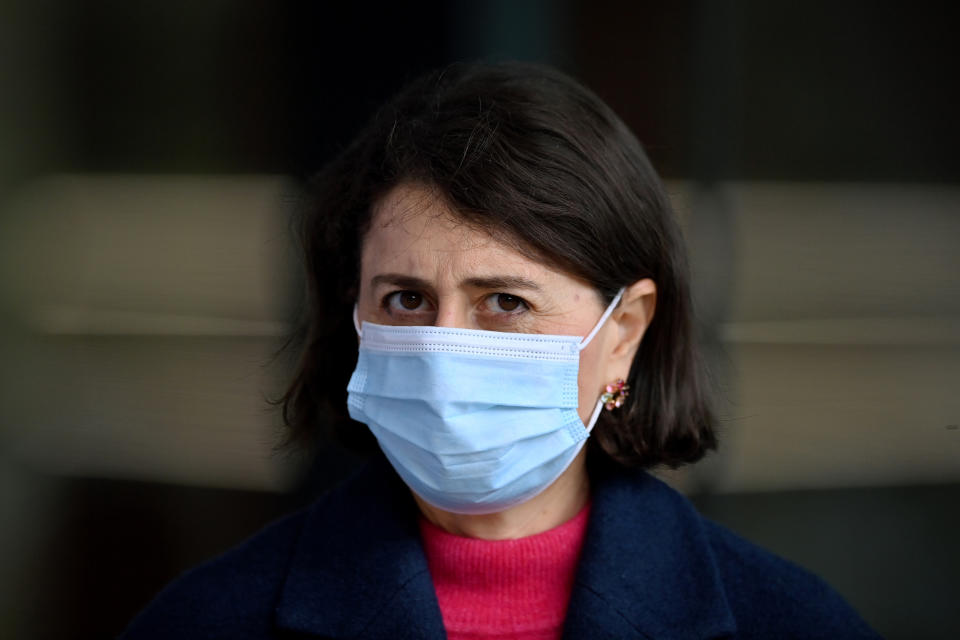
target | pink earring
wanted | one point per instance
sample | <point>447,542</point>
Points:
<point>615,395</point>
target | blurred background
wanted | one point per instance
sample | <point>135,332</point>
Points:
<point>151,153</point>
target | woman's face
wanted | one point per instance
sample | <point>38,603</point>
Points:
<point>420,265</point>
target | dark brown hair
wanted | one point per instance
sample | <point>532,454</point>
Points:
<point>532,156</point>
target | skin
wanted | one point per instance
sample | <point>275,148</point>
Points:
<point>421,265</point>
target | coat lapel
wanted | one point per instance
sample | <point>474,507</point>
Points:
<point>646,568</point>
<point>359,570</point>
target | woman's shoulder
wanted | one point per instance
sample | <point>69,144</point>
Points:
<point>703,570</point>
<point>230,596</point>
<point>769,594</point>
<point>322,570</point>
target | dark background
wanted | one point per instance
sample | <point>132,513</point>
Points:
<point>862,91</point>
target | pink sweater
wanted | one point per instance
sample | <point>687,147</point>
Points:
<point>504,588</point>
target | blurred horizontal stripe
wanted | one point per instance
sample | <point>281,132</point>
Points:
<point>76,321</point>
<point>840,331</point>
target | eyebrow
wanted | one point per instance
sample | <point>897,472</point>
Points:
<point>488,282</point>
<point>399,280</point>
<point>502,282</point>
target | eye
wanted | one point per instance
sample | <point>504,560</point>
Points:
<point>409,300</point>
<point>506,303</point>
<point>405,301</point>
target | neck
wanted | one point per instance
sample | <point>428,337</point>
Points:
<point>557,504</point>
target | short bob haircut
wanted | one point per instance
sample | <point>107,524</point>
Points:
<point>531,156</point>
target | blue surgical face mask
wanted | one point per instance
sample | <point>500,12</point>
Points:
<point>473,421</point>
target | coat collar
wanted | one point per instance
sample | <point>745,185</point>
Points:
<point>359,570</point>
<point>646,569</point>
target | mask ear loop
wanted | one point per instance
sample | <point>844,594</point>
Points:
<point>356,322</point>
<point>583,344</point>
<point>595,415</point>
<point>606,314</point>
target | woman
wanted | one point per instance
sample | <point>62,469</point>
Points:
<point>500,247</point>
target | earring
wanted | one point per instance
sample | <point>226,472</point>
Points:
<point>615,395</point>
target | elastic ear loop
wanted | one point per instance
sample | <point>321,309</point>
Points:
<point>606,314</point>
<point>356,322</point>
<point>595,415</point>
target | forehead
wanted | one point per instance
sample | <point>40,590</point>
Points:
<point>414,229</point>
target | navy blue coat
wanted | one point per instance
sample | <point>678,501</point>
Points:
<point>352,566</point>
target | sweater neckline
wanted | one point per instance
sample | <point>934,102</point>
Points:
<point>504,587</point>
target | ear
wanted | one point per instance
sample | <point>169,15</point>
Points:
<point>631,318</point>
